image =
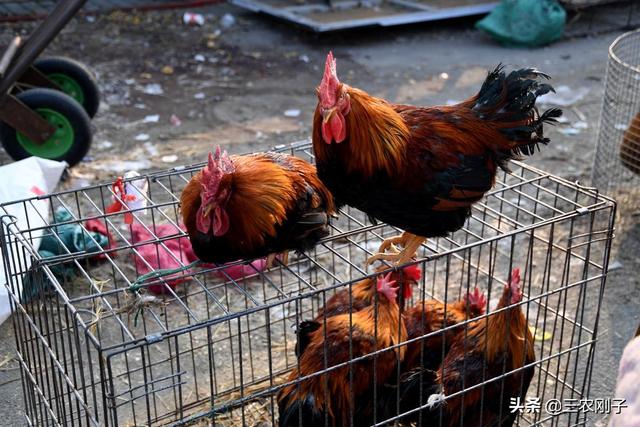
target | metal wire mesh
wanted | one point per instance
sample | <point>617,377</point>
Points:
<point>94,351</point>
<point>617,160</point>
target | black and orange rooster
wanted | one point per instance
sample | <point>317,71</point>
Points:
<point>430,316</point>
<point>360,296</point>
<point>421,168</point>
<point>491,347</point>
<point>442,322</point>
<point>337,395</point>
<point>241,207</point>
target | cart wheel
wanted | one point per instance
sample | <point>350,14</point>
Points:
<point>70,142</point>
<point>75,79</point>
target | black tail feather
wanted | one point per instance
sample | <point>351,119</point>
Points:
<point>511,99</point>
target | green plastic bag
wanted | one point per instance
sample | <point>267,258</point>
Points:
<point>525,23</point>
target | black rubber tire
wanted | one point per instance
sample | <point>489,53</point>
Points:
<point>62,104</point>
<point>78,72</point>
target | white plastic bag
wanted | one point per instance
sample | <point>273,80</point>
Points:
<point>21,180</point>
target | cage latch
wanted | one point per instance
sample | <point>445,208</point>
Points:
<point>582,211</point>
<point>153,338</point>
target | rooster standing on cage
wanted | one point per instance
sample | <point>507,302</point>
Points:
<point>340,339</point>
<point>491,347</point>
<point>421,168</point>
<point>242,207</point>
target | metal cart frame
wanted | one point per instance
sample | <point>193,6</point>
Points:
<point>16,68</point>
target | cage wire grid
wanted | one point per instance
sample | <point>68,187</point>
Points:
<point>94,350</point>
<point>617,160</point>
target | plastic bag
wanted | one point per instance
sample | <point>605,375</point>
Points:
<point>36,177</point>
<point>526,23</point>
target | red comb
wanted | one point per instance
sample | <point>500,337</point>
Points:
<point>477,298</point>
<point>218,165</point>
<point>515,276</point>
<point>329,84</point>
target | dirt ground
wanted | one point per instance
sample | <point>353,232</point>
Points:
<point>251,86</point>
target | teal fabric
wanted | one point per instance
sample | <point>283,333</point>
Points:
<point>525,23</point>
<point>75,238</point>
<point>72,235</point>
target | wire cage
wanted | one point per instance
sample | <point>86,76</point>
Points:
<point>215,349</point>
<point>617,161</point>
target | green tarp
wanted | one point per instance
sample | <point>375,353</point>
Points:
<point>526,23</point>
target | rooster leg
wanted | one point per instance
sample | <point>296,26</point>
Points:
<point>391,241</point>
<point>270,259</point>
<point>282,257</point>
<point>411,246</point>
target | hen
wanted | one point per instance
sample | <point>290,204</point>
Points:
<point>421,168</point>
<point>337,395</point>
<point>241,207</point>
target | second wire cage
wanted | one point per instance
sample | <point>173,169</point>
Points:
<point>616,165</point>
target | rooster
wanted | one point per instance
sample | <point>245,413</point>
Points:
<point>335,395</point>
<point>421,168</point>
<point>424,356</point>
<point>630,146</point>
<point>427,317</point>
<point>360,296</point>
<point>241,207</point>
<point>491,347</point>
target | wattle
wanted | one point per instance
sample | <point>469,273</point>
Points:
<point>203,223</point>
<point>220,221</point>
<point>334,129</point>
<point>407,292</point>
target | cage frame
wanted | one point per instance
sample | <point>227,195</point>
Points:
<point>106,412</point>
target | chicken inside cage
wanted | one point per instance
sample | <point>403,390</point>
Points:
<point>137,334</point>
<point>630,146</point>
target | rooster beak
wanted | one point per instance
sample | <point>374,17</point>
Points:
<point>207,210</point>
<point>327,114</point>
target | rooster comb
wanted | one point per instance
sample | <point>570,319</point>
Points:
<point>218,165</point>
<point>412,272</point>
<point>330,82</point>
<point>515,276</point>
<point>477,298</point>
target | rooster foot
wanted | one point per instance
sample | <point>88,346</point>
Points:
<point>282,257</point>
<point>410,242</point>
<point>392,241</point>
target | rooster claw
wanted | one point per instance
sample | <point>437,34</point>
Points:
<point>391,242</point>
<point>282,257</point>
<point>410,243</point>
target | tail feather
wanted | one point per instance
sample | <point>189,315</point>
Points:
<point>509,102</point>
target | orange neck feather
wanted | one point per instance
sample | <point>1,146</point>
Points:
<point>364,290</point>
<point>376,136</point>
<point>509,323</point>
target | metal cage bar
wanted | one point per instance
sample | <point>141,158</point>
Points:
<point>219,348</point>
